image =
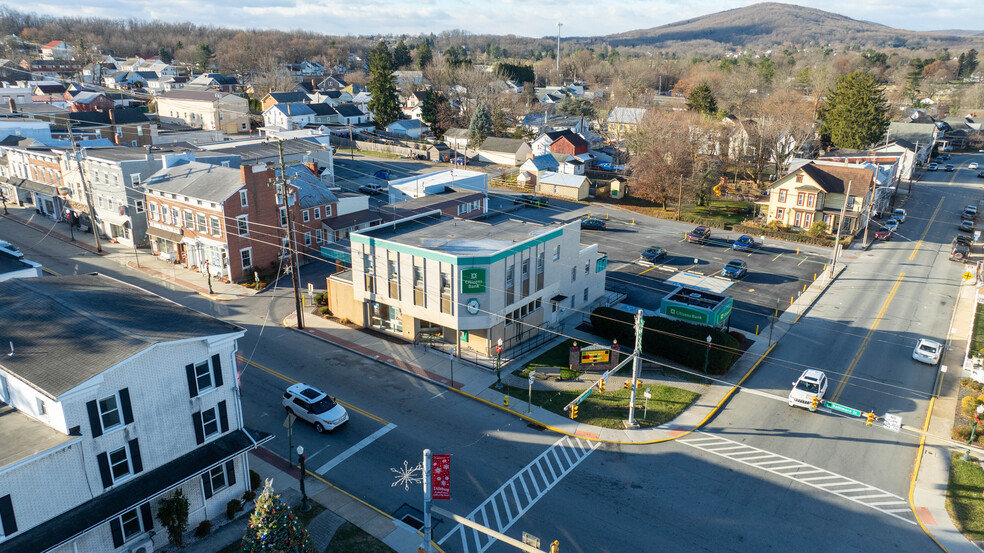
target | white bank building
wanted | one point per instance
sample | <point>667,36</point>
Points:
<point>468,282</point>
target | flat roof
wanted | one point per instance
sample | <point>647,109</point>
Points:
<point>23,436</point>
<point>696,297</point>
<point>10,263</point>
<point>464,237</point>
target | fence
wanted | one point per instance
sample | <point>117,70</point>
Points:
<point>399,149</point>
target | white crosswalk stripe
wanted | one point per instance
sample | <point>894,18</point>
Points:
<point>505,506</point>
<point>809,475</point>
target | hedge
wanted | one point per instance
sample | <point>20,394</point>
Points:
<point>800,237</point>
<point>677,341</point>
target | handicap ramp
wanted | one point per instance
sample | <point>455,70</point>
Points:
<point>712,283</point>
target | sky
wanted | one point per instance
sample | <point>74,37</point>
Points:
<point>501,17</point>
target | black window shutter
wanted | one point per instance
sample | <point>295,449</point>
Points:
<point>231,472</point>
<point>117,530</point>
<point>103,460</point>
<point>207,483</point>
<point>217,369</point>
<point>94,420</point>
<point>196,419</point>
<point>192,383</point>
<point>223,417</point>
<point>125,406</point>
<point>135,459</point>
<point>148,520</point>
<point>7,515</point>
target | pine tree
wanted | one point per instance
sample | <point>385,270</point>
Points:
<point>701,100</point>
<point>203,57</point>
<point>424,55</point>
<point>383,104</point>
<point>854,115</point>
<point>401,55</point>
<point>273,527</point>
<point>480,127</point>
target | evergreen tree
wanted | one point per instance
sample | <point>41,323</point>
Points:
<point>480,126</point>
<point>428,108</point>
<point>273,528</point>
<point>580,107</point>
<point>384,103</point>
<point>701,100</point>
<point>203,57</point>
<point>424,55</point>
<point>164,55</point>
<point>855,113</point>
<point>401,55</point>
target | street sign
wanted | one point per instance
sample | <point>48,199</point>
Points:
<point>893,422</point>
<point>532,540</point>
<point>646,394</point>
<point>532,376</point>
<point>583,396</point>
<point>311,288</point>
<point>289,420</point>
<point>842,408</point>
<point>968,275</point>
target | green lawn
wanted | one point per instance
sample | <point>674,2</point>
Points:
<point>720,213</point>
<point>609,408</point>
<point>557,356</point>
<point>963,496</point>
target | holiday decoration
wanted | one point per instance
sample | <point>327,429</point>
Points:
<point>407,475</point>
<point>441,470</point>
<point>273,527</point>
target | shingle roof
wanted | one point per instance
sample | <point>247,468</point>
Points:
<point>349,110</point>
<point>563,179</point>
<point>544,161</point>
<point>311,191</point>
<point>834,178</point>
<point>293,110</point>
<point>86,97</point>
<point>323,109</point>
<point>626,115</point>
<point>289,97</point>
<point>65,330</point>
<point>455,132</point>
<point>200,95</point>
<point>203,181</point>
<point>504,145</point>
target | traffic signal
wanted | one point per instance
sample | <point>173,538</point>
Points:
<point>814,403</point>
<point>869,419</point>
<point>601,385</point>
<point>573,411</point>
<point>555,547</point>
<point>628,384</point>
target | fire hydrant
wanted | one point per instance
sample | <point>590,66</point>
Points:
<point>505,400</point>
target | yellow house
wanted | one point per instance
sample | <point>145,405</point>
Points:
<point>816,192</point>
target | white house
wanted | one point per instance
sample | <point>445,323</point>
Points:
<point>570,187</point>
<point>149,404</point>
<point>288,116</point>
<point>205,109</point>
<point>411,128</point>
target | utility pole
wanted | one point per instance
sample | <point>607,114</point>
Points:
<point>680,198</point>
<point>559,25</point>
<point>867,222</point>
<point>291,240</point>
<point>840,224</point>
<point>85,189</point>
<point>351,142</point>
<point>636,367</point>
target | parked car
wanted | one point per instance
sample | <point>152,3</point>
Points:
<point>966,226</point>
<point>592,224</point>
<point>735,269</point>
<point>699,235</point>
<point>314,406</point>
<point>959,252</point>
<point>653,254</point>
<point>892,225</point>
<point>968,215</point>
<point>962,239</point>
<point>382,174</point>
<point>943,157</point>
<point>972,165</point>
<point>970,208</point>
<point>811,384</point>
<point>371,188</point>
<point>927,351</point>
<point>531,200</point>
<point>898,215</point>
<point>980,174</point>
<point>932,167</point>
<point>883,234</point>
<point>743,243</point>
<point>948,168</point>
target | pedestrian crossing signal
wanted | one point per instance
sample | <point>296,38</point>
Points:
<point>573,411</point>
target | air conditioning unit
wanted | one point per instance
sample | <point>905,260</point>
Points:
<point>146,546</point>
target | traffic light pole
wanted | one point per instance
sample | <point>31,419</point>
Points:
<point>636,367</point>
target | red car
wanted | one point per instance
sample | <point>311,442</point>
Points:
<point>699,235</point>
<point>883,234</point>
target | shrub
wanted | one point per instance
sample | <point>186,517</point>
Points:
<point>344,320</point>
<point>324,310</point>
<point>203,529</point>
<point>817,229</point>
<point>172,512</point>
<point>971,384</point>
<point>321,298</point>
<point>968,405</point>
<point>233,507</point>
<point>249,495</point>
<point>254,480</point>
<point>675,340</point>
<point>961,432</point>
<point>568,374</point>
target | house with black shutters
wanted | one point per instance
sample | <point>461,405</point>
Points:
<point>112,398</point>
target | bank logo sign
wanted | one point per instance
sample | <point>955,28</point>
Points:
<point>473,281</point>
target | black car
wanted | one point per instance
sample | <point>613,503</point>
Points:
<point>980,175</point>
<point>654,254</point>
<point>959,253</point>
<point>948,168</point>
<point>943,157</point>
<point>592,224</point>
<point>962,239</point>
<point>531,200</point>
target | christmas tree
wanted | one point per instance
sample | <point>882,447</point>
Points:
<point>273,527</point>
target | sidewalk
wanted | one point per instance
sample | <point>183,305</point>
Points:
<point>928,491</point>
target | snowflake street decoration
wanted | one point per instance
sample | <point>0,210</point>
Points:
<point>407,475</point>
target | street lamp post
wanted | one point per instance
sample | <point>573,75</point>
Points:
<point>305,506</point>
<point>707,356</point>
<point>208,275</point>
<point>498,363</point>
<point>977,419</point>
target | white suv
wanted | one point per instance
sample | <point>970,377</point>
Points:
<point>812,383</point>
<point>314,406</point>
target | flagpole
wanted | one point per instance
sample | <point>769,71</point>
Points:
<point>428,544</point>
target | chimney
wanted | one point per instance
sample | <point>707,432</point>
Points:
<point>112,116</point>
<point>12,104</point>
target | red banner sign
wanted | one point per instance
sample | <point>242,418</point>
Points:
<point>441,477</point>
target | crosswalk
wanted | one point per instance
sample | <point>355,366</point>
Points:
<point>815,477</point>
<point>508,504</point>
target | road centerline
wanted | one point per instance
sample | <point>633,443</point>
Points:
<point>926,230</point>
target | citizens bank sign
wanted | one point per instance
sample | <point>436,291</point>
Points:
<point>473,281</point>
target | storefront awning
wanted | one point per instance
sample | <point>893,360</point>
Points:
<point>165,234</point>
<point>557,299</point>
<point>114,219</point>
<point>38,187</point>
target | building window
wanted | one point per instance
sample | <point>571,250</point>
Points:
<point>307,238</point>
<point>573,274</point>
<point>217,478</point>
<point>242,224</point>
<point>109,413</point>
<point>810,199</point>
<point>780,213</point>
<point>203,376</point>
<point>280,194</point>
<point>153,211</point>
<point>587,267</point>
<point>800,197</point>
<point>394,279</point>
<point>119,464</point>
<point>202,223</point>
<point>131,524</point>
<point>327,211</point>
<point>176,216</point>
<point>135,179</point>
<point>799,177</point>
<point>556,254</point>
<point>283,216</point>
<point>305,215</point>
<point>139,204</point>
<point>99,201</point>
<point>418,285</point>
<point>189,219</point>
<point>317,213</point>
<point>317,236</point>
<point>216,229</point>
<point>369,268</point>
<point>42,408</point>
<point>782,196</point>
<point>210,422</point>
<point>247,256</point>
<point>850,202</point>
<point>585,294</point>
<point>243,198</point>
<point>445,293</point>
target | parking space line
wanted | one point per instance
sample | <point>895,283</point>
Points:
<point>777,257</point>
<point>354,449</point>
<point>647,270</point>
<point>802,262</point>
